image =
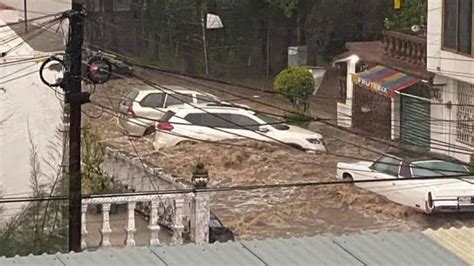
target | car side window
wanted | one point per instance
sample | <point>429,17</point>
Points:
<point>208,120</point>
<point>240,121</point>
<point>195,119</point>
<point>154,100</point>
<point>387,165</point>
<point>177,99</point>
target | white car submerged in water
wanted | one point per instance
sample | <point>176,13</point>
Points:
<point>220,122</point>
<point>419,182</point>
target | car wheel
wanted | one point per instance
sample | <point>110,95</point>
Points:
<point>149,130</point>
<point>429,204</point>
<point>347,177</point>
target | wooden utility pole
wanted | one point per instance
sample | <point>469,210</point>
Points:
<point>75,98</point>
<point>204,39</point>
<point>25,14</point>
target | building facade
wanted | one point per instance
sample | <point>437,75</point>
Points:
<point>450,57</point>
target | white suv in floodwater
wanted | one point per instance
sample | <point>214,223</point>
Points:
<point>141,107</point>
<point>221,122</point>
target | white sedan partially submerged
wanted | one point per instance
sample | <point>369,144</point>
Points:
<point>419,182</point>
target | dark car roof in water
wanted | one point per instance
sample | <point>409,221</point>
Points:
<point>421,156</point>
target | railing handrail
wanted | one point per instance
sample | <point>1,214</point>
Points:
<point>138,198</point>
<point>405,36</point>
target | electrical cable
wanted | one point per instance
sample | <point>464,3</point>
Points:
<point>229,188</point>
<point>309,119</point>
<point>114,113</point>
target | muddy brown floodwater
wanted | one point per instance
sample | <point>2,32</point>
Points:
<point>279,212</point>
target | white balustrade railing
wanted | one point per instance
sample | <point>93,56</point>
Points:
<point>180,211</point>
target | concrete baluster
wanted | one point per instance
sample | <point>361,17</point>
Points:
<point>178,226</point>
<point>153,224</point>
<point>83,226</point>
<point>105,230</point>
<point>130,229</point>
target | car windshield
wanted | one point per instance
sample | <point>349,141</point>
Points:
<point>437,168</point>
<point>272,121</point>
<point>214,223</point>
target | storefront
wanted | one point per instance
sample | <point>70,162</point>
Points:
<point>381,109</point>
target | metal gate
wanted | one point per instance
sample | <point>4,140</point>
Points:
<point>371,113</point>
<point>415,122</point>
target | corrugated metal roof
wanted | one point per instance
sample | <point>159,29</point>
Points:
<point>396,249</point>
<point>300,251</point>
<point>230,253</point>
<point>460,241</point>
<point>125,256</point>
<point>46,260</point>
<point>360,249</point>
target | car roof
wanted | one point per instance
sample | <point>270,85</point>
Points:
<point>168,89</point>
<point>203,108</point>
<point>415,156</point>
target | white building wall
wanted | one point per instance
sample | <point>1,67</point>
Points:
<point>344,110</point>
<point>449,68</point>
<point>443,133</point>
<point>442,62</point>
<point>28,110</point>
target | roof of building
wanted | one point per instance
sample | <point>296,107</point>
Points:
<point>438,247</point>
<point>373,53</point>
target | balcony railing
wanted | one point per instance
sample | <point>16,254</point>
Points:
<point>405,48</point>
<point>175,211</point>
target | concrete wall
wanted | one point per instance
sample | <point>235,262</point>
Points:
<point>449,68</point>
<point>29,110</point>
<point>138,175</point>
<point>442,62</point>
<point>443,133</point>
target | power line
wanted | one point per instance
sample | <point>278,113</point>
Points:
<point>230,188</point>
<point>315,119</point>
<point>308,117</point>
<point>114,113</point>
<point>440,143</point>
<point>30,20</point>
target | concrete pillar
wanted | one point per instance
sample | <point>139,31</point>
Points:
<point>105,230</point>
<point>351,69</point>
<point>200,215</point>
<point>130,229</point>
<point>153,224</point>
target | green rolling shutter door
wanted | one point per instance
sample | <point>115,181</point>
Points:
<point>415,122</point>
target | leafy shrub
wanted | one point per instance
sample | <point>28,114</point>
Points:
<point>200,169</point>
<point>296,84</point>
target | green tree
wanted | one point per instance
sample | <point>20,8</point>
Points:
<point>296,84</point>
<point>412,12</point>
<point>38,227</point>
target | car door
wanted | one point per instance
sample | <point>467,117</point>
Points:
<point>405,190</point>
<point>150,107</point>
<point>384,170</point>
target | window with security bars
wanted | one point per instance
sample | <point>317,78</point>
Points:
<point>465,114</point>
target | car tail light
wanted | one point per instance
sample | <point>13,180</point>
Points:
<point>165,126</point>
<point>130,111</point>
